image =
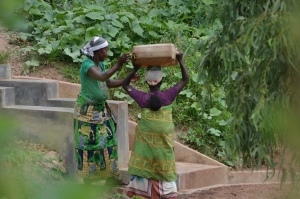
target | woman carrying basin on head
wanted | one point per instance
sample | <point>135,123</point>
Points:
<point>152,162</point>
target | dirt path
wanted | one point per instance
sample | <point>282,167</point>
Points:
<point>265,191</point>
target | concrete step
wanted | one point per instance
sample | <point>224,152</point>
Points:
<point>32,92</point>
<point>62,102</point>
<point>192,176</point>
<point>7,96</point>
<point>40,108</point>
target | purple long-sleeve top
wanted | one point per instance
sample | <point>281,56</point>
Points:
<point>141,98</point>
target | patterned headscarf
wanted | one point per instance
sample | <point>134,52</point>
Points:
<point>95,44</point>
<point>153,75</point>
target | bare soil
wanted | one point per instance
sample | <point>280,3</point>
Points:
<point>10,43</point>
<point>253,191</point>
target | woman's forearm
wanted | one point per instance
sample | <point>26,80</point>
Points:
<point>184,72</point>
<point>114,83</point>
<point>126,80</point>
<point>96,74</point>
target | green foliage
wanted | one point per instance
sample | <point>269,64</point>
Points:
<point>208,126</point>
<point>63,30</point>
<point>254,56</point>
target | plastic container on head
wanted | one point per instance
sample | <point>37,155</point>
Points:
<point>155,55</point>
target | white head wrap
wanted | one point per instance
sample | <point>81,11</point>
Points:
<point>153,75</point>
<point>95,44</point>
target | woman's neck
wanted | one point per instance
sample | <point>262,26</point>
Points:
<point>154,88</point>
<point>96,61</point>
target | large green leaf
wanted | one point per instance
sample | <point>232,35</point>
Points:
<point>117,23</point>
<point>72,53</point>
<point>183,9</point>
<point>95,8</point>
<point>95,16</point>
<point>91,32</point>
<point>208,2</point>
<point>59,29</point>
<point>143,2</point>
<point>127,14</point>
<point>155,13</point>
<point>154,34</point>
<point>125,19</point>
<point>35,11</point>
<point>137,28</point>
<point>111,16</point>
<point>120,95</point>
<point>214,112</point>
<point>60,15</point>
<point>187,92</point>
<point>214,132</point>
<point>47,49</point>
<point>112,31</point>
<point>175,2</point>
<point>82,20</point>
<point>49,15</point>
<point>79,31</point>
<point>32,63</point>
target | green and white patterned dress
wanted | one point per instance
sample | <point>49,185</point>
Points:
<point>95,132</point>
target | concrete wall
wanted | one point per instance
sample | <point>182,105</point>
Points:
<point>120,111</point>
<point>66,89</point>
<point>48,126</point>
<point>248,177</point>
<point>32,92</point>
<point>5,71</point>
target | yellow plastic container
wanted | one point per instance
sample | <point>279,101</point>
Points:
<point>155,55</point>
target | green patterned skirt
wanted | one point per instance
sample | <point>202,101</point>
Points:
<point>95,140</point>
<point>152,155</point>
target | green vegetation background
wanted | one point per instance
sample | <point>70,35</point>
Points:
<point>242,100</point>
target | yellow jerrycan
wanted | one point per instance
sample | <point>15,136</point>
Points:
<point>155,55</point>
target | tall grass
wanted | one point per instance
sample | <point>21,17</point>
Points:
<point>4,57</point>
